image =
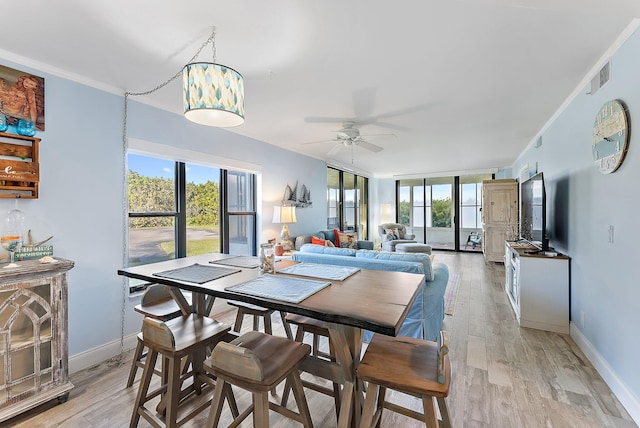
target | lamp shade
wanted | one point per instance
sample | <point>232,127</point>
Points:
<point>284,214</point>
<point>213,94</point>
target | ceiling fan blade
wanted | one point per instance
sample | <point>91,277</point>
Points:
<point>404,111</point>
<point>392,126</point>
<point>335,149</point>
<point>319,119</point>
<point>320,141</point>
<point>379,135</point>
<point>368,146</point>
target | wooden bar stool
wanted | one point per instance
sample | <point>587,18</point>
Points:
<point>413,366</point>
<point>318,329</point>
<point>257,312</point>
<point>175,339</point>
<point>258,362</point>
<point>157,302</point>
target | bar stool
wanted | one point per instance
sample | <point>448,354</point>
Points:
<point>413,366</point>
<point>157,303</point>
<point>318,329</point>
<point>258,362</point>
<point>257,312</point>
<point>174,339</point>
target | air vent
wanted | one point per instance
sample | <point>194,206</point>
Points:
<point>538,142</point>
<point>601,78</point>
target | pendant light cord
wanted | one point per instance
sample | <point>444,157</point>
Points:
<point>125,186</point>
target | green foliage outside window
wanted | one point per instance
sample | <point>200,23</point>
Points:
<point>440,213</point>
<point>404,213</point>
<point>157,194</point>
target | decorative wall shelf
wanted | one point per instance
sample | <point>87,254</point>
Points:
<point>19,166</point>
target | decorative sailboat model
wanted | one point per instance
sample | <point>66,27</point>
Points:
<point>290,197</point>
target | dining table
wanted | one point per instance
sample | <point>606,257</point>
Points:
<point>372,300</point>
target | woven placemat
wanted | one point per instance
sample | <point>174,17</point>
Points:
<point>287,289</point>
<point>196,273</point>
<point>316,270</point>
<point>239,261</point>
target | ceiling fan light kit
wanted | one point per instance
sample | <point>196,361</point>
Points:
<point>349,136</point>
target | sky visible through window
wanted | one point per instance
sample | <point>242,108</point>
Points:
<point>155,167</point>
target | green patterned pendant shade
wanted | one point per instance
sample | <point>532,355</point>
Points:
<point>213,94</point>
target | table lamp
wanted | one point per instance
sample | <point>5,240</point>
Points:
<point>284,215</point>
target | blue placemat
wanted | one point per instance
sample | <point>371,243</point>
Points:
<point>316,270</point>
<point>196,273</point>
<point>292,290</point>
<point>239,261</point>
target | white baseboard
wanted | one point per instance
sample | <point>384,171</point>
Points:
<point>100,354</point>
<point>617,385</point>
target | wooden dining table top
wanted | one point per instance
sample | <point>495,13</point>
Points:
<point>370,299</point>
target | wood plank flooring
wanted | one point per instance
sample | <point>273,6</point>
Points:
<point>503,375</point>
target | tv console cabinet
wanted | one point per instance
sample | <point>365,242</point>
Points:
<point>537,286</point>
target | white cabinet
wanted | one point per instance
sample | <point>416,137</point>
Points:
<point>499,216</point>
<point>538,287</point>
<point>33,335</point>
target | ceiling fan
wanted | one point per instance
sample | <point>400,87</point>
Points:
<point>349,136</point>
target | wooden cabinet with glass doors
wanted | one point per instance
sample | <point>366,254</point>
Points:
<point>33,335</point>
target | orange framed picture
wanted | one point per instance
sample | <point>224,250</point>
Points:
<point>21,97</point>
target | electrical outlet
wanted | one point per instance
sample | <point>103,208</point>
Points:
<point>610,233</point>
<point>582,319</point>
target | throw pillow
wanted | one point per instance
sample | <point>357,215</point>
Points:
<point>393,232</point>
<point>348,240</point>
<point>317,241</point>
<point>336,237</point>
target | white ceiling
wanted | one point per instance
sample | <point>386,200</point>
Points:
<point>463,84</point>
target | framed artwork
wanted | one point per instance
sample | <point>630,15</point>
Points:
<point>21,97</point>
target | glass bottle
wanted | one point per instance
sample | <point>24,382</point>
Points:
<point>3,123</point>
<point>267,258</point>
<point>26,127</point>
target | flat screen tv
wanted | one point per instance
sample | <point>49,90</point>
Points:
<point>533,212</point>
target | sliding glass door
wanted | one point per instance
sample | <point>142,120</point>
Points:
<point>442,211</point>
<point>347,206</point>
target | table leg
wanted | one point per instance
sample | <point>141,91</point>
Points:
<point>347,342</point>
<point>177,295</point>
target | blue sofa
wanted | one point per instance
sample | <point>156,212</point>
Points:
<point>331,236</point>
<point>425,317</point>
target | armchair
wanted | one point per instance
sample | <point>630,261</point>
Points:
<point>389,241</point>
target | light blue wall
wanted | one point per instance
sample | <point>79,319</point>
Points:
<point>81,193</point>
<point>582,202</point>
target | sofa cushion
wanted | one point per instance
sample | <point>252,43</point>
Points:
<point>310,248</point>
<point>347,240</point>
<point>406,257</point>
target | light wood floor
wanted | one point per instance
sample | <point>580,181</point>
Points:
<point>503,375</point>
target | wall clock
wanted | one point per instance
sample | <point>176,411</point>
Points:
<point>610,136</point>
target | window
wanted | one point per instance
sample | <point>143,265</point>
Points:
<point>347,202</point>
<point>470,205</point>
<point>179,209</point>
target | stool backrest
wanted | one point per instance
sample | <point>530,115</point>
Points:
<point>443,350</point>
<point>155,293</point>
<point>234,359</point>
<point>157,333</point>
